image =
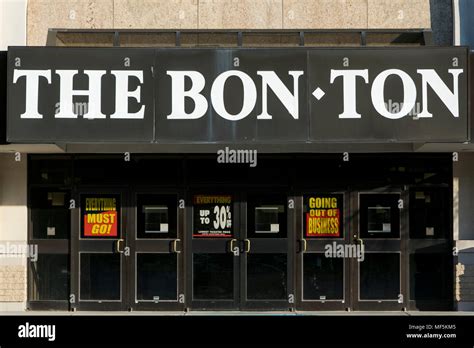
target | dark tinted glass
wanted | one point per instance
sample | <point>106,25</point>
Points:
<point>50,214</point>
<point>100,276</point>
<point>380,276</point>
<point>266,276</point>
<point>379,215</point>
<point>323,278</point>
<point>157,216</point>
<point>156,277</point>
<point>50,171</point>
<point>429,213</point>
<point>266,216</point>
<point>50,278</point>
<point>430,277</point>
<point>213,276</point>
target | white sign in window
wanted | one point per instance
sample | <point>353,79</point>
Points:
<point>266,219</point>
<point>156,219</point>
<point>379,220</point>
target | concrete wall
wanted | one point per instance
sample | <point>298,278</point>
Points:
<point>12,23</point>
<point>223,14</point>
<point>13,232</point>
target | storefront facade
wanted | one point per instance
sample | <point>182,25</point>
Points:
<point>236,170</point>
<point>231,203</point>
<point>198,235</point>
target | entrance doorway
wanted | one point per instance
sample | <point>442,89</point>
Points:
<point>351,250</point>
<point>240,257</point>
<point>127,251</point>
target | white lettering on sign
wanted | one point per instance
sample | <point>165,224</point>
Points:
<point>66,93</point>
<point>409,93</point>
<point>123,94</point>
<point>448,93</point>
<point>178,95</point>
<point>93,93</point>
<point>349,89</point>
<point>450,99</point>
<point>269,79</point>
<point>32,85</point>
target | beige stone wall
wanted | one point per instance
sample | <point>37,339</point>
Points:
<point>223,14</point>
<point>464,286</point>
<point>13,230</point>
<point>12,283</point>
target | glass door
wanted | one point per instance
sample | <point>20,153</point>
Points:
<point>213,253</point>
<point>324,250</point>
<point>156,249</point>
<point>266,268</point>
<point>380,227</point>
<point>99,249</point>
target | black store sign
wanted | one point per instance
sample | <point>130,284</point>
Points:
<point>117,95</point>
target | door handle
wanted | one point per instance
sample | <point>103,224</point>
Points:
<point>231,245</point>
<point>247,245</point>
<point>358,240</point>
<point>174,246</point>
<point>304,245</point>
<point>117,246</point>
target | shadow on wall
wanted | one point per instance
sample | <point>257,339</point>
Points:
<point>13,184</point>
<point>442,22</point>
<point>3,96</point>
<point>463,170</point>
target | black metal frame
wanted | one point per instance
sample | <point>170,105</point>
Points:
<point>99,246</point>
<point>267,245</point>
<point>381,245</point>
<point>58,246</point>
<point>317,245</point>
<point>211,245</point>
<point>422,37</point>
<point>137,245</point>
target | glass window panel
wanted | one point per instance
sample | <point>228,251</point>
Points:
<point>429,213</point>
<point>430,277</point>
<point>379,220</point>
<point>266,215</point>
<point>50,214</point>
<point>266,219</point>
<point>323,277</point>
<point>380,276</point>
<point>379,215</point>
<point>50,278</point>
<point>50,171</point>
<point>100,276</point>
<point>213,276</point>
<point>157,216</point>
<point>266,276</point>
<point>157,277</point>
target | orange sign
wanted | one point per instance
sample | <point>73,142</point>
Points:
<point>100,218</point>
<point>323,217</point>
